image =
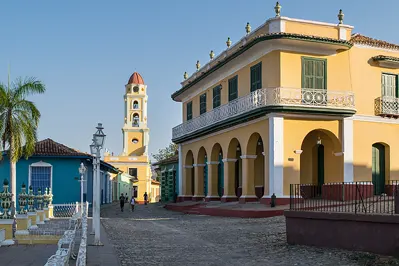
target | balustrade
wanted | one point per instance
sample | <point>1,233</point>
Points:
<point>294,97</point>
<point>386,106</point>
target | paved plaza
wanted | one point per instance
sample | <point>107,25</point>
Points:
<point>154,236</point>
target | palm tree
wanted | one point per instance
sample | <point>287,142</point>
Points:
<point>19,119</point>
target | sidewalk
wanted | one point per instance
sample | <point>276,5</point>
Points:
<point>100,255</point>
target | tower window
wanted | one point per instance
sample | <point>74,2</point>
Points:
<point>135,141</point>
<point>135,105</point>
<point>136,89</point>
<point>136,119</point>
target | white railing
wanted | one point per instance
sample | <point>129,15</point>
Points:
<point>66,243</point>
<point>65,210</point>
<point>386,105</point>
<point>295,97</point>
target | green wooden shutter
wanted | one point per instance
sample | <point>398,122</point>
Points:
<point>233,88</point>
<point>319,71</point>
<point>216,96</point>
<point>389,85</point>
<point>314,73</point>
<point>256,77</point>
<point>189,110</point>
<point>203,103</point>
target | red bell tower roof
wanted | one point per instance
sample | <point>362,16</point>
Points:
<point>136,78</point>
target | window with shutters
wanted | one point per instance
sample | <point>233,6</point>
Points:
<point>256,77</point>
<point>389,85</point>
<point>203,103</point>
<point>189,111</point>
<point>133,172</point>
<point>216,96</point>
<point>314,73</point>
<point>233,88</point>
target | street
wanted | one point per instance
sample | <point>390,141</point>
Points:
<point>154,236</point>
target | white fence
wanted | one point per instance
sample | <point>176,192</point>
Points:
<point>65,210</point>
<point>77,225</point>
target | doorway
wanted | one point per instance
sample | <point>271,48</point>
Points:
<point>378,168</point>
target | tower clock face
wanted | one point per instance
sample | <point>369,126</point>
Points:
<point>135,141</point>
<point>136,89</point>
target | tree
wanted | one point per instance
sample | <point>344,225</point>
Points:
<point>19,119</point>
<point>165,153</point>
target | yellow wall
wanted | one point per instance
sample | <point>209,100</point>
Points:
<point>309,29</point>
<point>270,78</point>
<point>135,149</point>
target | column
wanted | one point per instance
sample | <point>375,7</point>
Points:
<point>229,180</point>
<point>186,193</point>
<point>266,198</point>
<point>212,182</point>
<point>180,171</point>
<point>276,156</point>
<point>248,179</point>
<point>198,182</point>
<point>347,148</point>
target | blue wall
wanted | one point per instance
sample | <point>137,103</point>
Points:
<point>66,188</point>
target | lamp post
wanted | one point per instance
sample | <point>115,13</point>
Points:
<point>82,171</point>
<point>95,148</point>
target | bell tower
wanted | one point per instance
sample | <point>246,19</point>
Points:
<point>135,130</point>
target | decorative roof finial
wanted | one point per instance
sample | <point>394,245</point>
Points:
<point>212,55</point>
<point>185,75</point>
<point>248,28</point>
<point>277,9</point>
<point>198,65</point>
<point>341,17</point>
<point>228,42</point>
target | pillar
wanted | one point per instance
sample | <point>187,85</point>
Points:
<point>248,179</point>
<point>187,183</point>
<point>40,217</point>
<point>23,223</point>
<point>50,211</point>
<point>32,217</point>
<point>212,182</point>
<point>46,214</point>
<point>6,225</point>
<point>266,197</point>
<point>198,182</point>
<point>347,148</point>
<point>180,171</point>
<point>276,156</point>
<point>229,180</point>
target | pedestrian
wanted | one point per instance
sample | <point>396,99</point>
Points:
<point>122,202</point>
<point>145,198</point>
<point>132,203</point>
<point>126,198</point>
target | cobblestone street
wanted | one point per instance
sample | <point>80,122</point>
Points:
<point>154,236</point>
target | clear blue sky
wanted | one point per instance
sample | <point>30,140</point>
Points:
<point>85,52</point>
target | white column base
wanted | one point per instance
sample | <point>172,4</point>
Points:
<point>8,242</point>
<point>21,232</point>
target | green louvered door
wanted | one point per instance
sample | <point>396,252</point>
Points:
<point>314,81</point>
<point>378,168</point>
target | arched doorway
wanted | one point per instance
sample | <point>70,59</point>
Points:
<point>255,147</point>
<point>189,175</point>
<point>216,172</point>
<point>201,174</point>
<point>380,152</point>
<point>321,159</point>
<point>234,172</point>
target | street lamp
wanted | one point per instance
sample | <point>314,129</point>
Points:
<point>95,148</point>
<point>82,171</point>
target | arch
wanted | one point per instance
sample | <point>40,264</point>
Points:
<point>135,104</point>
<point>380,166</point>
<point>135,119</point>
<point>217,174</point>
<point>202,159</point>
<point>188,179</point>
<point>320,146</point>
<point>234,152</point>
<point>255,147</point>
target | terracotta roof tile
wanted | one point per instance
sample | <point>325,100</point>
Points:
<point>361,39</point>
<point>136,78</point>
<point>51,148</point>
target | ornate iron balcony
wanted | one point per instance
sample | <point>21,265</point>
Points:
<point>294,97</point>
<point>386,106</point>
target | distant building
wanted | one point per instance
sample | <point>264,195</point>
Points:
<point>169,177</point>
<point>56,166</point>
<point>134,160</point>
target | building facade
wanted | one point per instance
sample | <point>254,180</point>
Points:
<point>134,159</point>
<point>56,166</point>
<point>169,176</point>
<point>278,107</point>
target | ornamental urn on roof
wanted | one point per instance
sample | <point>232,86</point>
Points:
<point>198,65</point>
<point>341,17</point>
<point>185,75</point>
<point>212,54</point>
<point>248,28</point>
<point>277,9</point>
<point>228,42</point>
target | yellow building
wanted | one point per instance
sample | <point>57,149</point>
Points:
<point>134,160</point>
<point>278,108</point>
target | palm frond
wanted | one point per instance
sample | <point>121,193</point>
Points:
<point>23,87</point>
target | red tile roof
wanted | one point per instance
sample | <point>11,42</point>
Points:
<point>136,78</point>
<point>361,39</point>
<point>49,147</point>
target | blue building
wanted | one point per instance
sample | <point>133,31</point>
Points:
<point>57,166</point>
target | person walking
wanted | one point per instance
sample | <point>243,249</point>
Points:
<point>145,198</point>
<point>122,201</point>
<point>126,198</point>
<point>132,203</point>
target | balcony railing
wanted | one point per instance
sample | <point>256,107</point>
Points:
<point>295,97</point>
<point>386,106</point>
